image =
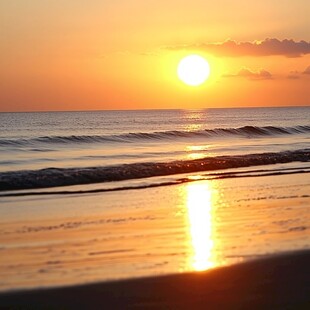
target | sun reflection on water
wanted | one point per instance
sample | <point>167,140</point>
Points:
<point>199,205</point>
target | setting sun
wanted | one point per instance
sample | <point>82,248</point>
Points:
<point>193,70</point>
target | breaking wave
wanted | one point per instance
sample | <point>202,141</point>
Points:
<point>55,177</point>
<point>246,131</point>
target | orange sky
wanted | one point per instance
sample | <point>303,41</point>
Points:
<point>123,54</point>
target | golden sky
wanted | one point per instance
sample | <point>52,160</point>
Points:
<point>123,54</point>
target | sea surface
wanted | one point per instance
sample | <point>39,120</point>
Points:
<point>109,195</point>
<point>54,149</point>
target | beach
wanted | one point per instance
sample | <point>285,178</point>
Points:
<point>201,225</point>
<point>188,213</point>
<point>277,282</point>
<point>155,154</point>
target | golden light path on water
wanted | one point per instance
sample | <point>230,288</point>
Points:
<point>199,206</point>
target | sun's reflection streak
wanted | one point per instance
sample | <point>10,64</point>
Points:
<point>199,206</point>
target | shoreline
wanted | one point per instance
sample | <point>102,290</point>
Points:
<point>278,281</point>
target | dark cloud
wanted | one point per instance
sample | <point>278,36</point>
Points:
<point>252,75</point>
<point>307,71</point>
<point>267,47</point>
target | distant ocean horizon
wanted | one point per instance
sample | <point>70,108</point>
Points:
<point>56,149</point>
<point>161,109</point>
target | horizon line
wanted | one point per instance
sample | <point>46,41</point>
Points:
<point>159,109</point>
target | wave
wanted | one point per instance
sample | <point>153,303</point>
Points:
<point>56,177</point>
<point>246,131</point>
<point>209,176</point>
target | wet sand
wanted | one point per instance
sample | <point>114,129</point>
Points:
<point>276,282</point>
<point>140,247</point>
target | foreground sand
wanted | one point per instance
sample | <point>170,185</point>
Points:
<point>277,282</point>
<point>68,241</point>
<point>77,239</point>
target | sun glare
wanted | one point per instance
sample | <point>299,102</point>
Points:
<point>193,70</point>
<point>199,203</point>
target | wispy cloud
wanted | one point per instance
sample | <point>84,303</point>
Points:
<point>251,75</point>
<point>267,47</point>
<point>294,75</point>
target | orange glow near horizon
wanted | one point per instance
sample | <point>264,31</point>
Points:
<point>199,205</point>
<point>115,55</point>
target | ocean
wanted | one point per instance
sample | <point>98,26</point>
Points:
<point>107,195</point>
<point>54,149</point>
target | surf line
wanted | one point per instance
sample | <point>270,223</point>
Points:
<point>210,177</point>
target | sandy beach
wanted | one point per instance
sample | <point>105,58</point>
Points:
<point>213,243</point>
<point>276,282</point>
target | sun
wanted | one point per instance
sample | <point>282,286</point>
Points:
<point>193,70</point>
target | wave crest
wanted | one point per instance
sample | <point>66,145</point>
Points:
<point>246,131</point>
<point>54,177</point>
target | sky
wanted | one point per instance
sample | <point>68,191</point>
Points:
<point>123,54</point>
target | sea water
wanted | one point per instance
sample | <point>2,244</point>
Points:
<point>52,149</point>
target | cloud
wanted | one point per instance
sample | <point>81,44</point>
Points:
<point>252,75</point>
<point>267,47</point>
<point>307,71</point>
<point>294,75</point>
